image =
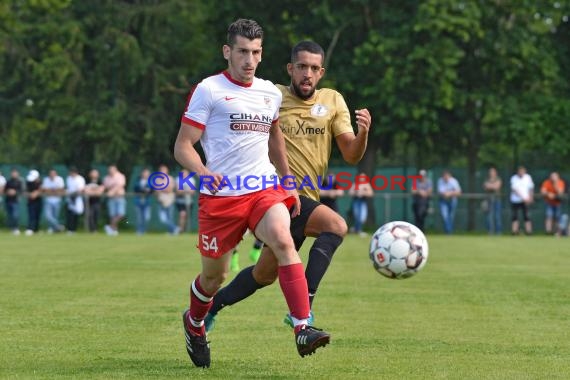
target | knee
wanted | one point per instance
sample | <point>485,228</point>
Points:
<point>264,277</point>
<point>338,226</point>
<point>211,283</point>
<point>283,246</point>
<point>281,241</point>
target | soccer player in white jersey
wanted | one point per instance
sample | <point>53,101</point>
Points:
<point>310,119</point>
<point>234,116</point>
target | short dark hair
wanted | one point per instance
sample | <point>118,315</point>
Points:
<point>249,29</point>
<point>309,46</point>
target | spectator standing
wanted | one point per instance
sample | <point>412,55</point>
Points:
<point>421,193</point>
<point>53,189</point>
<point>166,198</point>
<point>114,184</point>
<point>448,189</point>
<point>35,202</point>
<point>360,193</point>
<point>2,184</point>
<point>12,191</point>
<point>184,201</point>
<point>94,190</point>
<point>142,201</point>
<point>492,202</point>
<point>75,184</point>
<point>522,188</point>
<point>552,190</point>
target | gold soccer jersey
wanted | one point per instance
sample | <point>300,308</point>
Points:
<point>309,127</point>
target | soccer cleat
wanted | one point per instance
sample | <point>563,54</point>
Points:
<point>254,254</point>
<point>289,321</point>
<point>197,346</point>
<point>234,263</point>
<point>209,322</point>
<point>309,338</point>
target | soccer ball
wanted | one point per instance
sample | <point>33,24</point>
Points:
<point>398,250</point>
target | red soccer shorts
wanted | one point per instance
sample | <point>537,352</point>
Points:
<point>223,220</point>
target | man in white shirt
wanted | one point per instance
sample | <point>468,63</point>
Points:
<point>53,188</point>
<point>522,188</point>
<point>75,206</point>
<point>448,190</point>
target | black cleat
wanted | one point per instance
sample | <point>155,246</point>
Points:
<point>309,338</point>
<point>197,346</point>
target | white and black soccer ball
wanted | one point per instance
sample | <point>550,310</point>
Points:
<point>398,250</point>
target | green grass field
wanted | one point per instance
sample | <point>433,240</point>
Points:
<point>89,306</point>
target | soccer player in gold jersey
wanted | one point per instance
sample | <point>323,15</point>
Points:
<point>310,119</point>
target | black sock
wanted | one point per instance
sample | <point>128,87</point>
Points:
<point>320,257</point>
<point>241,287</point>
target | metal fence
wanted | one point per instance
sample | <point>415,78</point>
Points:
<point>398,206</point>
<point>128,223</point>
<point>384,207</point>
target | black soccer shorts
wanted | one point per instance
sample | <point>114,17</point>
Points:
<point>299,222</point>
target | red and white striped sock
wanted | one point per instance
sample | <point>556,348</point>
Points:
<point>200,303</point>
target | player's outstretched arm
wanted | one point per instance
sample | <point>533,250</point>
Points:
<point>351,146</point>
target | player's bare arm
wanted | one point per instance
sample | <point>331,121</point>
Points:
<point>278,155</point>
<point>188,157</point>
<point>351,146</point>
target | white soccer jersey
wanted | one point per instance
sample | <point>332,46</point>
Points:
<point>236,119</point>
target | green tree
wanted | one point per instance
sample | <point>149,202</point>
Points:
<point>98,81</point>
<point>447,82</point>
<point>456,76</point>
